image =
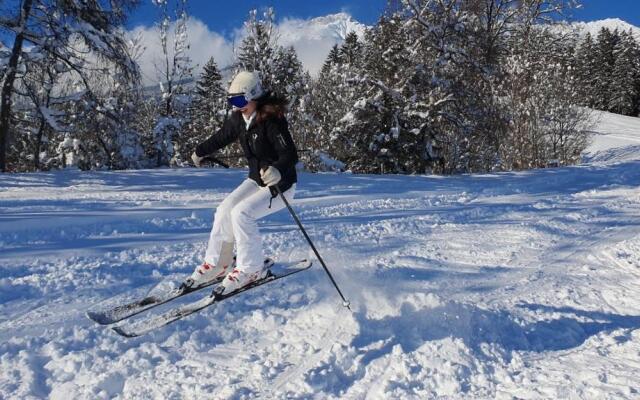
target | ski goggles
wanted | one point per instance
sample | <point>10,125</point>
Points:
<point>238,100</point>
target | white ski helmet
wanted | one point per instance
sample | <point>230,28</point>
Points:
<point>247,83</point>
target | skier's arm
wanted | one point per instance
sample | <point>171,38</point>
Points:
<point>280,138</point>
<point>225,136</point>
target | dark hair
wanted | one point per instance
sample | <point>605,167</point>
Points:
<point>271,106</point>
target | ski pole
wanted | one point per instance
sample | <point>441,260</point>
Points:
<point>345,302</point>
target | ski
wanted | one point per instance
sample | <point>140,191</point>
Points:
<point>141,327</point>
<point>124,311</point>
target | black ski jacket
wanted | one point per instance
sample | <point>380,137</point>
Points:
<point>265,143</point>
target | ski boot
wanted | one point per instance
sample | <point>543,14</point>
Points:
<point>206,273</point>
<point>238,279</point>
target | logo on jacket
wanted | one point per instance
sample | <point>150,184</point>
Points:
<point>282,141</point>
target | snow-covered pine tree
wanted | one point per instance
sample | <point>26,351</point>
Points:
<point>332,59</point>
<point>350,52</point>
<point>58,30</point>
<point>625,76</point>
<point>369,134</point>
<point>340,93</point>
<point>606,43</point>
<point>288,75</point>
<point>207,110</point>
<point>320,116</point>
<point>437,94</point>
<point>585,70</point>
<point>258,49</point>
<point>289,80</point>
<point>308,129</point>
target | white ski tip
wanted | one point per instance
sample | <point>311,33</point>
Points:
<point>124,333</point>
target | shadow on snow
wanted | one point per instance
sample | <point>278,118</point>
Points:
<point>475,327</point>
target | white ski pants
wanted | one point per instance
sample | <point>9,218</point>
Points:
<point>236,221</point>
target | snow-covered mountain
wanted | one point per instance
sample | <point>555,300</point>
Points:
<point>313,38</point>
<point>333,27</point>
<point>594,27</point>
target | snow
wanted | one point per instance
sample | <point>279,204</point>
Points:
<point>508,285</point>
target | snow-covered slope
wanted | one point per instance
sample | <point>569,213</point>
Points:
<point>513,285</point>
<point>615,138</point>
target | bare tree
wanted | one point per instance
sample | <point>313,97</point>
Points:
<point>54,28</point>
<point>173,69</point>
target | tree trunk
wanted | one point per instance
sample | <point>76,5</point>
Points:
<point>36,150</point>
<point>7,87</point>
<point>43,127</point>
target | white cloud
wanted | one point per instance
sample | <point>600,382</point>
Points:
<point>203,45</point>
<point>312,39</point>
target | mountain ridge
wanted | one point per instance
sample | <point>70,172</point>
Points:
<point>593,27</point>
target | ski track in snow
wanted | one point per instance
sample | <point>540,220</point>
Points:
<point>521,285</point>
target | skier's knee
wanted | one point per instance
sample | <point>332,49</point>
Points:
<point>223,209</point>
<point>240,214</point>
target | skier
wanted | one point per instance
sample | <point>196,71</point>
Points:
<point>257,121</point>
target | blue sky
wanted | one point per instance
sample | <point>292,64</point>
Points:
<point>226,15</point>
<point>592,10</point>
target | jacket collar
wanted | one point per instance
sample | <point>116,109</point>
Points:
<point>249,120</point>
